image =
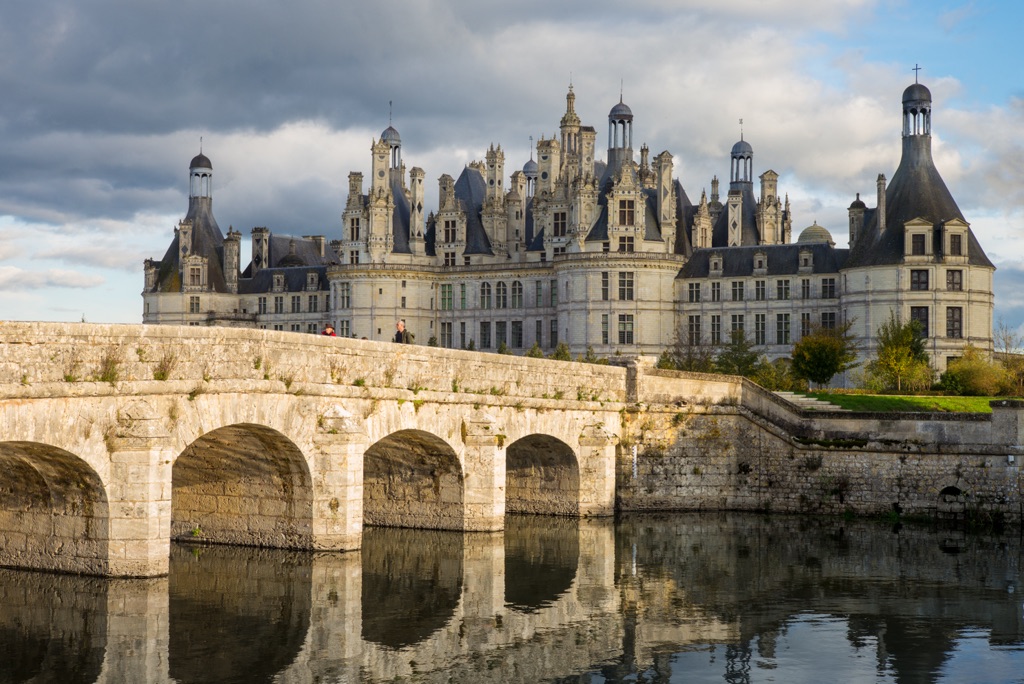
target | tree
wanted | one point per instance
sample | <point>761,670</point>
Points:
<point>535,352</point>
<point>688,354</point>
<point>737,357</point>
<point>900,359</point>
<point>778,376</point>
<point>1008,345</point>
<point>973,374</point>
<point>561,352</point>
<point>824,352</point>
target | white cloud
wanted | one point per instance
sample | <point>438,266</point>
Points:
<point>17,279</point>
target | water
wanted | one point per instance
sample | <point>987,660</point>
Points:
<point>653,598</point>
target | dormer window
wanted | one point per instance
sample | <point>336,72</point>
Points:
<point>955,240</point>
<point>806,261</point>
<point>918,239</point>
<point>311,280</point>
<point>278,282</point>
<point>760,263</point>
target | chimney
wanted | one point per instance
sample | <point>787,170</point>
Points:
<point>880,209</point>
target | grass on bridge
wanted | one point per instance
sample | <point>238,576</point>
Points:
<point>916,403</point>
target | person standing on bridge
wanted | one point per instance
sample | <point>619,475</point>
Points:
<point>329,330</point>
<point>402,336</point>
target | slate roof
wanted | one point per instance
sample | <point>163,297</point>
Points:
<point>294,280</point>
<point>738,262</point>
<point>749,234</point>
<point>470,192</point>
<point>207,241</point>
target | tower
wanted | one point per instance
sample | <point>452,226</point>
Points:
<point>620,136</point>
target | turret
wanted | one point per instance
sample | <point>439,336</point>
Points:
<point>666,199</point>
<point>232,259</point>
<point>416,199</point>
<point>856,213</point>
<point>548,163</point>
<point>620,136</point>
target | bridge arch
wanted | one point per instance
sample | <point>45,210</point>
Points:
<point>412,478</point>
<point>242,484</point>
<point>542,477</point>
<point>54,513</point>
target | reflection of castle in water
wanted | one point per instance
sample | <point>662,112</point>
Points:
<point>547,598</point>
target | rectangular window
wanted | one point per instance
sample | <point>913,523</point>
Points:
<point>517,294</point>
<point>955,280</point>
<point>485,335</point>
<point>193,305</point>
<point>805,288</point>
<point>604,328</point>
<point>920,314</point>
<point>954,322</point>
<point>278,305</point>
<point>446,334</point>
<point>919,280</point>
<point>261,304</point>
<point>353,256</point>
<point>759,329</point>
<point>295,327</point>
<point>345,328</point>
<point>462,335</point>
<point>604,286</point>
<point>828,288</point>
<point>956,246</point>
<point>446,297</point>
<point>554,332</point>
<point>296,304</point>
<point>693,335</point>
<point>451,233</point>
<point>485,295</point>
<point>782,328</point>
<point>737,323</point>
<point>345,295</point>
<point>560,223</point>
<point>538,332</point>
<point>626,285</point>
<point>716,292</point>
<point>353,229</point>
<point>917,245</point>
<point>626,244</point>
<point>501,333</point>
<point>760,291</point>
<point>554,293</point>
<point>693,292</point>
<point>278,326</point>
<point>195,276</point>
<point>737,291</point>
<point>716,329</point>
<point>626,212</point>
<point>805,324</point>
<point>539,299</point>
<point>314,303</point>
<point>828,320</point>
<point>449,259</point>
<point>782,289</point>
<point>501,296</point>
<point>625,329</point>
<point>517,335</point>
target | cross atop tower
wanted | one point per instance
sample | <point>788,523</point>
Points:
<point>741,129</point>
<point>915,70</point>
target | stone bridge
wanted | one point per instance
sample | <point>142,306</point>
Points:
<point>116,439</point>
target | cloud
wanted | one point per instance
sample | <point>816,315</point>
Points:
<point>16,279</point>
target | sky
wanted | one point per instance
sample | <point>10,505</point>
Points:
<point>105,102</point>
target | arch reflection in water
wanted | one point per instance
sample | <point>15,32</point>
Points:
<point>541,558</point>
<point>412,584</point>
<point>236,614</point>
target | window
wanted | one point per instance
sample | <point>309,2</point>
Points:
<point>626,244</point>
<point>462,334</point>
<point>485,335</point>
<point>626,285</point>
<point>501,296</point>
<point>554,292</point>
<point>539,299</point>
<point>626,213</point>
<point>604,328</point>
<point>558,250</point>
<point>920,314</point>
<point>446,334</point>
<point>345,295</point>
<point>759,291</point>
<point>759,325</point>
<point>353,229</point>
<point>693,336</point>
<point>462,295</point>
<point>295,327</point>
<point>606,247</point>
<point>919,280</point>
<point>193,305</point>
<point>195,276</point>
<point>558,229</point>
<point>805,324</point>
<point>278,305</point>
<point>955,280</point>
<point>345,328</point>
<point>693,292</point>
<point>805,288</point>
<point>403,302</point>
<point>446,298</point>
<point>828,288</point>
<point>828,320</point>
<point>782,328</point>
<point>517,335</point>
<point>278,326</point>
<point>353,256</point>
<point>917,245</point>
<point>737,291</point>
<point>314,303</point>
<point>538,330</point>
<point>954,322</point>
<point>604,286</point>
<point>501,333</point>
<point>485,295</point>
<point>737,323</point>
<point>296,304</point>
<point>716,292</point>
<point>449,258</point>
<point>261,305</point>
<point>451,233</point>
<point>625,329</point>
<point>554,332</point>
<point>716,329</point>
<point>517,294</point>
<point>782,289</point>
<point>956,246</point>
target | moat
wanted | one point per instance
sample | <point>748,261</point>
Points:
<point>645,598</point>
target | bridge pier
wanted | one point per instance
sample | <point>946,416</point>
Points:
<point>337,465</point>
<point>484,475</point>
<point>597,472</point>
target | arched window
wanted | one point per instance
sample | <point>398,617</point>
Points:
<point>501,296</point>
<point>517,294</point>
<point>485,295</point>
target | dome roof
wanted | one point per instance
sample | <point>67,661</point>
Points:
<point>916,93</point>
<point>530,169</point>
<point>742,148</point>
<point>621,111</point>
<point>858,203</point>
<point>200,161</point>
<point>391,135</point>
<point>815,233</point>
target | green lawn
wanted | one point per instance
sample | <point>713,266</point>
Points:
<point>879,402</point>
